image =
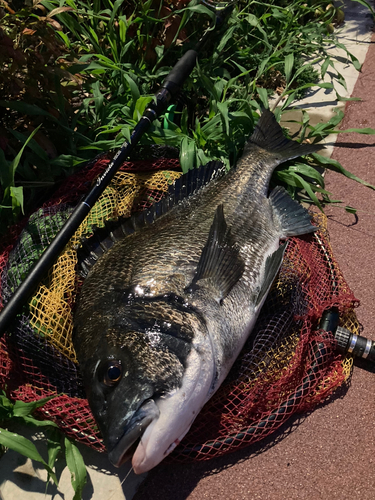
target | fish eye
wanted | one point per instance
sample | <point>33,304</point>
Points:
<point>114,373</point>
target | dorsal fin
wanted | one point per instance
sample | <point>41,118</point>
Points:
<point>104,238</point>
<point>220,261</point>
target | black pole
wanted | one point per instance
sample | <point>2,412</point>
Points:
<point>169,90</point>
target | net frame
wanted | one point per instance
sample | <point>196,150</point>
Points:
<point>287,363</point>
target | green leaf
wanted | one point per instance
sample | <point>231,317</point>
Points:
<point>364,131</point>
<point>324,85</point>
<point>336,118</point>
<point>32,144</point>
<point>140,105</point>
<point>20,444</point>
<point>13,166</point>
<point>200,9</point>
<point>350,210</point>
<point>6,408</point>
<point>228,35</point>
<point>53,445</point>
<point>39,423</point>
<point>334,165</point>
<point>324,67</point>
<point>76,467</point>
<point>66,161</point>
<point>223,108</point>
<point>16,194</point>
<point>344,99</point>
<point>254,21</point>
<point>94,36</point>
<point>64,38</point>
<point>289,100</point>
<point>261,67</point>
<point>307,171</point>
<point>25,447</point>
<point>133,87</point>
<point>98,97</point>
<point>54,437</point>
<point>366,4</point>
<point>310,191</point>
<point>263,96</point>
<point>187,154</point>
<point>21,409</point>
<point>288,64</point>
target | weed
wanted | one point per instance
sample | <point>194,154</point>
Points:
<point>83,73</point>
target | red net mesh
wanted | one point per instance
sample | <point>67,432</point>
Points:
<point>287,365</point>
<point>290,367</point>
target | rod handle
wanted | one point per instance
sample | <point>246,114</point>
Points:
<point>181,70</point>
<point>354,344</point>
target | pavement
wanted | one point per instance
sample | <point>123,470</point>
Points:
<point>328,453</point>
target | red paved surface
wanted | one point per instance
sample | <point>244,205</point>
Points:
<point>330,454</point>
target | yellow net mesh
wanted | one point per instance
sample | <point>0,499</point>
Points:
<point>51,305</point>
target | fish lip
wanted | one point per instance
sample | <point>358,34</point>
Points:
<point>127,444</point>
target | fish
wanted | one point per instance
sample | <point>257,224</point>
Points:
<point>165,311</point>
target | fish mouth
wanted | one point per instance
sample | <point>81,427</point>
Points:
<point>133,433</point>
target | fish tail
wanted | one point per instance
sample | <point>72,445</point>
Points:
<point>269,136</point>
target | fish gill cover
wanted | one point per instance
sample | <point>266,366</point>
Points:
<point>287,366</point>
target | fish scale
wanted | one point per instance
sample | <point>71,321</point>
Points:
<point>164,313</point>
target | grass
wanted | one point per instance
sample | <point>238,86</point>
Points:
<point>76,77</point>
<point>20,412</point>
<point>83,73</point>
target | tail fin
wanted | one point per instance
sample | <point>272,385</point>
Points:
<point>268,135</point>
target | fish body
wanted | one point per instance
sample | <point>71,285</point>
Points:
<point>164,313</point>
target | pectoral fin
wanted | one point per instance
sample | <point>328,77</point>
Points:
<point>220,261</point>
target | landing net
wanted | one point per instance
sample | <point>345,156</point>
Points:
<point>288,365</point>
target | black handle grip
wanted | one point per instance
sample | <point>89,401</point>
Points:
<point>347,342</point>
<point>182,68</point>
<point>355,344</point>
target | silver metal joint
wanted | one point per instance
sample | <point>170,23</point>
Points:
<point>368,348</point>
<point>353,343</point>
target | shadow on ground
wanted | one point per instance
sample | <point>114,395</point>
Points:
<point>176,481</point>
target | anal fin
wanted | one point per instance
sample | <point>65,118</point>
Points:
<point>220,261</point>
<point>293,219</point>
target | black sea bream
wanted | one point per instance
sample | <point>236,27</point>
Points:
<point>164,313</point>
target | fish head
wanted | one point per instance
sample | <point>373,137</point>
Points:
<point>120,397</point>
<point>145,386</point>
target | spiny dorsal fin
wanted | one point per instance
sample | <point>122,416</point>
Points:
<point>103,238</point>
<point>195,179</point>
<point>292,217</point>
<point>269,135</point>
<point>220,261</point>
<point>273,264</point>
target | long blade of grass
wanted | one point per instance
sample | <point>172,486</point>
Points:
<point>288,67</point>
<point>25,447</point>
<point>76,467</point>
<point>334,165</point>
<point>21,409</point>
